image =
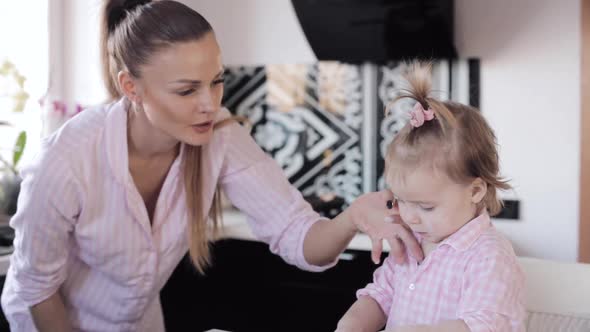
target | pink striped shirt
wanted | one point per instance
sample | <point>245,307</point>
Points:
<point>473,275</point>
<point>82,228</point>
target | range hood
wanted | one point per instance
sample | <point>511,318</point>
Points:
<point>378,30</point>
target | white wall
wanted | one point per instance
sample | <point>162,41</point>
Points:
<point>255,32</point>
<point>252,32</point>
<point>80,66</point>
<point>530,52</point>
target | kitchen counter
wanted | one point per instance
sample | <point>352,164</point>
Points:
<point>235,226</point>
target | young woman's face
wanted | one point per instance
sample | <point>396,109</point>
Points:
<point>432,204</point>
<point>181,89</point>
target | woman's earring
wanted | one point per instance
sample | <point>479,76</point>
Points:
<point>136,107</point>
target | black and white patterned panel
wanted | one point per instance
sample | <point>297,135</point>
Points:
<point>309,119</point>
<point>245,90</point>
<point>390,82</point>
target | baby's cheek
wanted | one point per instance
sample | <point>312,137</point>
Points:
<point>403,212</point>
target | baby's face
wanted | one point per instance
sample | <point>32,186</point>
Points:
<point>432,204</point>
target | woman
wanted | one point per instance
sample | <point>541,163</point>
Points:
<point>106,207</point>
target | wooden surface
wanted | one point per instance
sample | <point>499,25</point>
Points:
<point>584,231</point>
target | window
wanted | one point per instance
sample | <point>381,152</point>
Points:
<point>24,42</point>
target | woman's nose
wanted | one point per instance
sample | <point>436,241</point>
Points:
<point>206,102</point>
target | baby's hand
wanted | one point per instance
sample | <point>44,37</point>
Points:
<point>372,216</point>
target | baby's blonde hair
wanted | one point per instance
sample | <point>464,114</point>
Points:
<point>458,141</point>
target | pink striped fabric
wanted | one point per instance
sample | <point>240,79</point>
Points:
<point>473,275</point>
<point>82,228</point>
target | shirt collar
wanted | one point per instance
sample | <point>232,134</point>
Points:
<point>462,239</point>
<point>116,139</point>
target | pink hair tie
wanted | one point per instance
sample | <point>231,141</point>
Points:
<point>419,115</point>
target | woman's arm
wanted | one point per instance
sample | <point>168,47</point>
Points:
<point>48,206</point>
<point>279,215</point>
<point>365,315</point>
<point>367,214</point>
<point>340,231</point>
<point>50,315</point>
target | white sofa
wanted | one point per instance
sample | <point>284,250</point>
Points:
<point>558,296</point>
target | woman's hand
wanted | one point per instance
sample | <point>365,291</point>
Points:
<point>371,215</point>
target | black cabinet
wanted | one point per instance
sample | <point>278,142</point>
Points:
<point>3,323</point>
<point>247,288</point>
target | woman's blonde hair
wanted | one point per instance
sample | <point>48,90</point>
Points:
<point>458,140</point>
<point>132,31</point>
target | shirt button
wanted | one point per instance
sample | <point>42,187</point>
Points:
<point>412,287</point>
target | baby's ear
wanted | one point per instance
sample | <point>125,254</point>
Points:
<point>479,189</point>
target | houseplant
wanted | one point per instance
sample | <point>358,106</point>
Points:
<point>14,98</point>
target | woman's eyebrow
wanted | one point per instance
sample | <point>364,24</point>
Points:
<point>196,82</point>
